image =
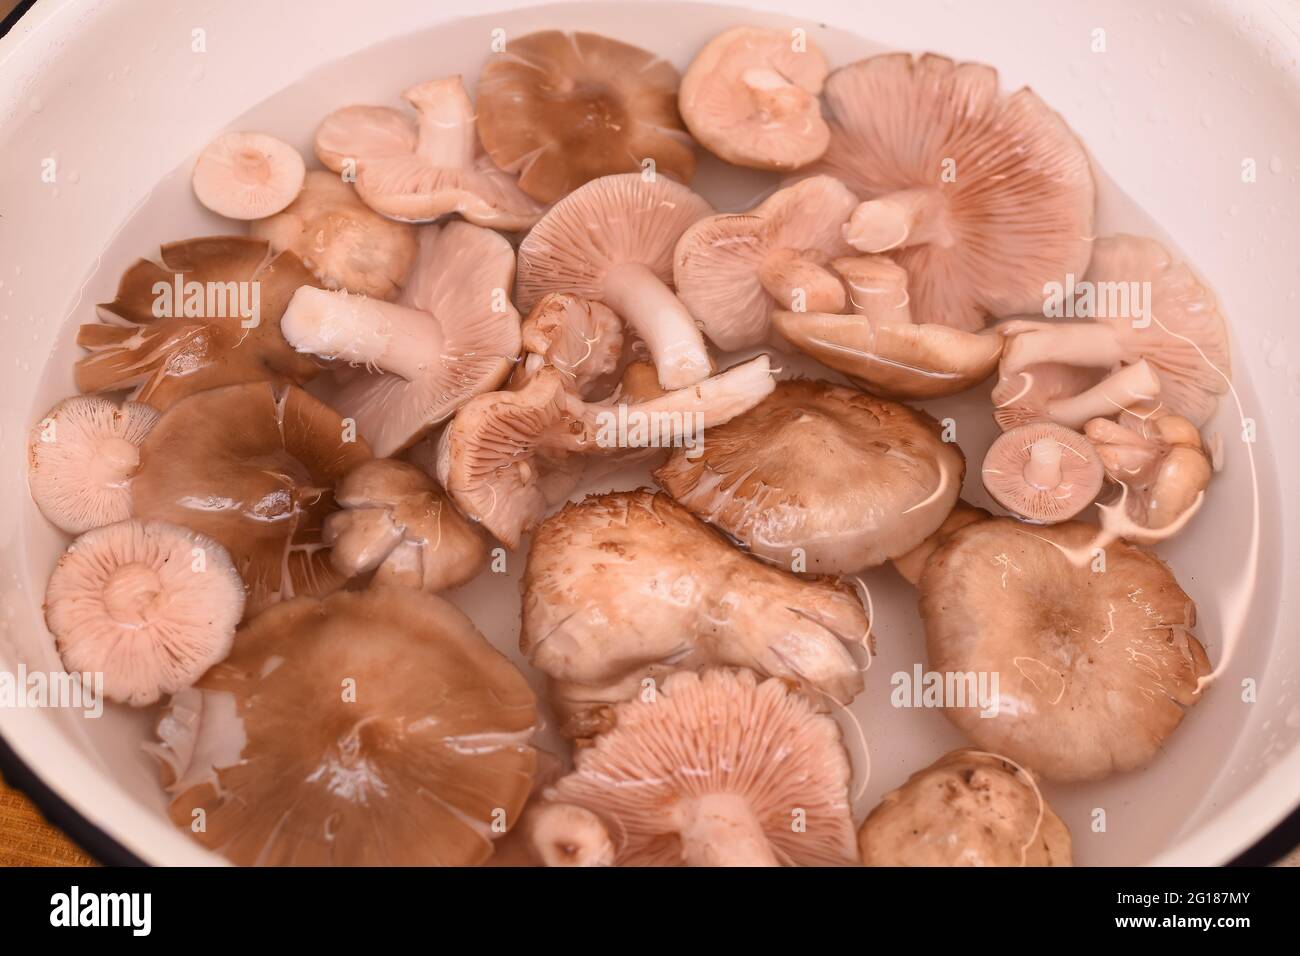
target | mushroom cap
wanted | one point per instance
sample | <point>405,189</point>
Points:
<point>255,469</point>
<point>353,134</point>
<point>773,478</point>
<point>1022,398</point>
<point>1094,670</point>
<point>912,564</point>
<point>610,221</point>
<point>721,732</point>
<point>561,109</point>
<point>1043,472</point>
<point>1018,207</point>
<point>148,604</point>
<point>718,260</point>
<point>751,98</point>
<point>893,359</point>
<point>203,343</point>
<point>582,339</point>
<point>969,808</point>
<point>401,748</point>
<point>247,175</point>
<point>345,243</point>
<point>80,459</point>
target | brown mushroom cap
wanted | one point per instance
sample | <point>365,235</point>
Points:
<point>969,808</point>
<point>750,96</point>
<point>366,728</point>
<point>912,564</point>
<point>774,478</point>
<point>255,469</point>
<point>340,239</point>
<point>149,605</point>
<point>583,340</point>
<point>561,109</point>
<point>1043,472</point>
<point>732,270</point>
<point>981,197</point>
<point>201,341</point>
<point>1094,669</point>
<point>714,772</point>
<point>80,459</point>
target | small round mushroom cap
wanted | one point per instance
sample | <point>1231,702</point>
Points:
<point>612,241</point>
<point>80,459</point>
<point>1043,472</point>
<point>711,773</point>
<point>982,197</point>
<point>255,469</point>
<point>340,239</point>
<point>148,604</point>
<point>397,522</point>
<point>775,478</point>
<point>732,270</point>
<point>561,109</point>
<point>452,334</point>
<point>248,175</point>
<point>969,808</point>
<point>751,97</point>
<point>912,564</point>
<point>582,339</point>
<point>418,171</point>
<point>368,728</point>
<point>1094,670</point>
<point>206,315</point>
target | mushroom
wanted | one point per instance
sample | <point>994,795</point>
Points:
<point>880,347</point>
<point>981,197</point>
<point>1146,308</point>
<point>582,339</point>
<point>628,585</point>
<point>911,565</point>
<point>774,477</point>
<point>612,241</point>
<point>1069,396</point>
<point>452,334</point>
<point>561,109</point>
<point>397,522</point>
<point>208,315</point>
<point>562,834</point>
<point>1043,472</point>
<point>1094,669</point>
<point>969,808</point>
<point>501,447</point>
<point>81,457</point>
<point>375,727</point>
<point>255,469</point>
<point>147,604</point>
<point>340,239</point>
<point>247,175</point>
<point>715,772</point>
<point>751,97</point>
<point>418,171</point>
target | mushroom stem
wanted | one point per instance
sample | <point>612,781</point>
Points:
<point>787,275</point>
<point>1130,385</point>
<point>908,217</point>
<point>116,460</point>
<point>719,829</point>
<point>877,288</point>
<point>1085,344</point>
<point>775,95</point>
<point>662,321</point>
<point>1043,469</point>
<point>446,126</point>
<point>562,834</point>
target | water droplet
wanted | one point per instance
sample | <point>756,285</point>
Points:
<point>1277,355</point>
<point>1293,718</point>
<point>74,177</point>
<point>1234,210</point>
<point>1207,120</point>
<point>35,104</point>
<point>1275,165</point>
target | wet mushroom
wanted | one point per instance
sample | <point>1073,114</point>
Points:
<point>452,334</point>
<point>418,171</point>
<point>1043,472</point>
<point>562,109</point>
<point>732,270</point>
<point>147,604</point>
<point>373,728</point>
<point>206,315</point>
<point>1095,670</point>
<point>968,808</point>
<point>247,175</point>
<point>255,469</point>
<point>561,834</point>
<point>81,457</point>
<point>774,478</point>
<point>713,772</point>
<point>982,197</point>
<point>751,97</point>
<point>612,241</point>
<point>582,339</point>
<point>1067,395</point>
<point>911,565</point>
<point>340,239</point>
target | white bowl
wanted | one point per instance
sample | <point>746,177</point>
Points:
<point>121,97</point>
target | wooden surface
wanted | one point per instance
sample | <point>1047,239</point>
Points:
<point>27,840</point>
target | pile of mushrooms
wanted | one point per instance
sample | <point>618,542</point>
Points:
<point>295,442</point>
